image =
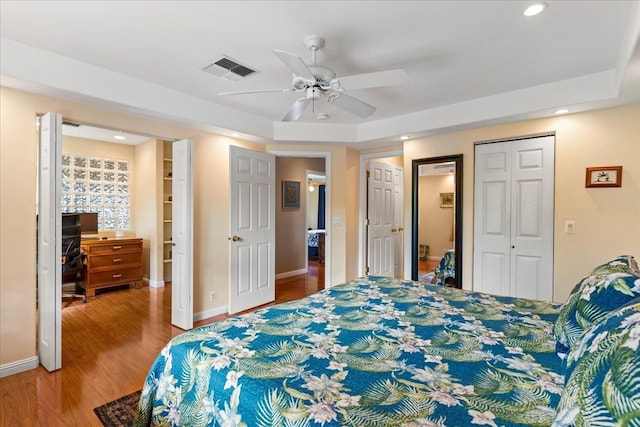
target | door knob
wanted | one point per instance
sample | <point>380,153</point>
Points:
<point>235,238</point>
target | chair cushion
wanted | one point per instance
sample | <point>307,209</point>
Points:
<point>602,380</point>
<point>606,288</point>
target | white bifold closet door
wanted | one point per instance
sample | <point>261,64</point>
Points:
<point>513,218</point>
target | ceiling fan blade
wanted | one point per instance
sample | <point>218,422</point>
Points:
<point>295,64</point>
<point>351,104</point>
<point>375,79</point>
<point>244,92</point>
<point>296,110</point>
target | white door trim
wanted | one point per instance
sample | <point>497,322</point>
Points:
<point>328,225</point>
<point>362,243</point>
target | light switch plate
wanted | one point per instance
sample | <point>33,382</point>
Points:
<point>570,227</point>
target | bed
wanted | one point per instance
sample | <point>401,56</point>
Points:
<point>378,351</point>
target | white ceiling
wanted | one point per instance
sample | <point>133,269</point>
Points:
<point>470,63</point>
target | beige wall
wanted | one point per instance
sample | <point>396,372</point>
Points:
<point>435,223</point>
<point>607,222</point>
<point>147,210</point>
<point>291,223</point>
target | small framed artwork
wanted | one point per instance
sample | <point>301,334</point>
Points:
<point>446,200</point>
<point>291,194</point>
<point>604,176</point>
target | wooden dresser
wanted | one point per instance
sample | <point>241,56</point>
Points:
<point>111,262</point>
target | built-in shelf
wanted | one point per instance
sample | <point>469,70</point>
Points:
<point>167,229</point>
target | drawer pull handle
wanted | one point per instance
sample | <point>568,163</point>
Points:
<point>115,248</point>
<point>117,259</point>
<point>117,276</point>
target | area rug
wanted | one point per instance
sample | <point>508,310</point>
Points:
<point>120,412</point>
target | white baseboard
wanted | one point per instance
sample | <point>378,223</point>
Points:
<point>19,366</point>
<point>156,283</point>
<point>291,273</point>
<point>209,313</point>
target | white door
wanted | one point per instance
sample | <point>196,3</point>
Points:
<point>380,212</point>
<point>398,234</point>
<point>513,218</point>
<point>252,228</point>
<point>49,245</point>
<point>532,196</point>
<point>182,235</point>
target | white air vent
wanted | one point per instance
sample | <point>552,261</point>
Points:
<point>229,69</point>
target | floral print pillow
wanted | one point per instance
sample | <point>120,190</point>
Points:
<point>602,380</point>
<point>605,289</point>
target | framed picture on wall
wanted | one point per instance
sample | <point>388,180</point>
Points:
<point>604,176</point>
<point>291,194</point>
<point>446,200</point>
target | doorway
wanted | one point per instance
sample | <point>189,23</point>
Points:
<point>293,223</point>
<point>437,220</point>
<point>52,164</point>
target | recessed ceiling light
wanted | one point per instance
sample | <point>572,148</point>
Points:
<point>322,116</point>
<point>535,9</point>
<point>562,111</point>
<point>235,135</point>
<point>119,137</point>
<point>404,137</point>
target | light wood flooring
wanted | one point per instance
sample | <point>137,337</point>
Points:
<point>427,266</point>
<point>108,346</point>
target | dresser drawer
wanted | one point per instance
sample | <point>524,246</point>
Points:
<point>113,259</point>
<point>113,248</point>
<point>124,275</point>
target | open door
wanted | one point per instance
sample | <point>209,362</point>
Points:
<point>49,246</point>
<point>252,235</point>
<point>381,212</point>
<point>182,240</point>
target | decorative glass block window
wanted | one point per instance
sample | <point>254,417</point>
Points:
<point>92,184</point>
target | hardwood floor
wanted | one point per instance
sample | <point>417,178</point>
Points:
<point>427,265</point>
<point>108,346</point>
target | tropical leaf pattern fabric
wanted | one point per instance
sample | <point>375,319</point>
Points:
<point>607,288</point>
<point>603,374</point>
<point>445,269</point>
<point>371,352</point>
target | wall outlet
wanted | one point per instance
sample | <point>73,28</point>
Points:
<point>212,296</point>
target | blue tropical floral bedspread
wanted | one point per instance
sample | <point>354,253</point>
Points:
<point>371,352</point>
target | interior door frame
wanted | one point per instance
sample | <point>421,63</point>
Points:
<point>326,155</point>
<point>415,175</point>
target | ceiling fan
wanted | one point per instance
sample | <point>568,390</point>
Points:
<point>317,81</point>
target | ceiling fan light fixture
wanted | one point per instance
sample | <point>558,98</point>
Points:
<point>535,9</point>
